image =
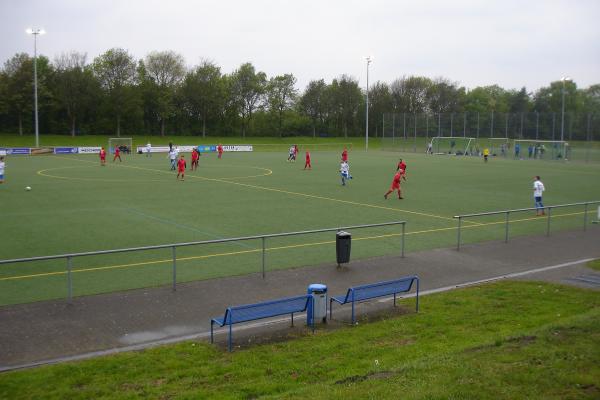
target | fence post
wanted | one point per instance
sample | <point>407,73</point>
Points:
<point>506,229</point>
<point>403,231</point>
<point>174,269</point>
<point>263,257</point>
<point>585,217</point>
<point>548,227</point>
<point>458,239</point>
<point>69,281</point>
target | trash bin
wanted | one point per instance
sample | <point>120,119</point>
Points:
<point>319,310</point>
<point>342,247</point>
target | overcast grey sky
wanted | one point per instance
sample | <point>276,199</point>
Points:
<point>476,43</point>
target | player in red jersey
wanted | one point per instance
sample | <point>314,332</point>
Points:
<point>307,162</point>
<point>195,157</point>
<point>345,155</point>
<point>395,185</point>
<point>181,168</point>
<point>402,167</point>
<point>102,157</point>
<point>220,150</point>
<point>117,154</point>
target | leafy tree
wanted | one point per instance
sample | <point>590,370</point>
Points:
<point>518,101</point>
<point>116,72</point>
<point>203,92</point>
<point>344,99</point>
<point>166,70</point>
<point>247,91</point>
<point>73,85</point>
<point>380,102</point>
<point>19,87</point>
<point>445,96</point>
<point>313,103</point>
<point>412,94</point>
<point>281,95</point>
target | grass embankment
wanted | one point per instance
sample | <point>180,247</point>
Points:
<point>501,341</point>
<point>594,264</point>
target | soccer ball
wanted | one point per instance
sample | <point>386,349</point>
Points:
<point>28,188</point>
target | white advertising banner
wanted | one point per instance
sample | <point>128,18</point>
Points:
<point>153,149</point>
<point>244,147</point>
<point>89,150</point>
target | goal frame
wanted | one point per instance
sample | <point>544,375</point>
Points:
<point>560,152</point>
<point>127,141</point>
<point>465,151</point>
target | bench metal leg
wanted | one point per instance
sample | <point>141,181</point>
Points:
<point>394,299</point>
<point>211,331</point>
<point>330,307</point>
<point>292,319</point>
<point>417,295</point>
<point>352,312</point>
<point>230,339</point>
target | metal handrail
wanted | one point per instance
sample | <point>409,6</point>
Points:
<point>525,209</point>
<point>69,257</point>
<point>507,221</point>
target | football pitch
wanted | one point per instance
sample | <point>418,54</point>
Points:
<point>76,205</point>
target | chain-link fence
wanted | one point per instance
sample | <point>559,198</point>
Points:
<point>413,132</point>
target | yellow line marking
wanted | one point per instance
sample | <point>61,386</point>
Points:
<point>43,172</point>
<point>312,196</point>
<point>206,256</point>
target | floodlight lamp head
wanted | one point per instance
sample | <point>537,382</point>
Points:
<point>369,59</point>
<point>31,31</point>
<point>566,79</point>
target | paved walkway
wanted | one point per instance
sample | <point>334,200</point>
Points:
<point>54,330</point>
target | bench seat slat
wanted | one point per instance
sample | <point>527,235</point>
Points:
<point>379,289</point>
<point>267,309</point>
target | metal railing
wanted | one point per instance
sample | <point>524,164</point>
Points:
<point>174,246</point>
<point>548,212</point>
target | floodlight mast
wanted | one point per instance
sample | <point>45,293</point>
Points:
<point>35,32</point>
<point>369,61</point>
<point>562,122</point>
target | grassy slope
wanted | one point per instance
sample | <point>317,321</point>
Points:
<point>139,203</point>
<point>501,341</point>
<point>594,265</point>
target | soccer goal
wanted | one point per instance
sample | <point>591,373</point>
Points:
<point>459,146</point>
<point>124,144</point>
<point>499,146</point>
<point>544,149</point>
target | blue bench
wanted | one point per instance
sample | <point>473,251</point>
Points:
<point>380,289</point>
<point>268,309</point>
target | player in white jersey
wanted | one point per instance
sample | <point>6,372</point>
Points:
<point>173,158</point>
<point>538,190</point>
<point>291,154</point>
<point>148,150</point>
<point>345,172</point>
<point>2,169</point>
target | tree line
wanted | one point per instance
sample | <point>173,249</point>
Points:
<point>116,94</point>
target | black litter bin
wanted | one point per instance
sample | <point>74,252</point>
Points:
<point>342,247</point>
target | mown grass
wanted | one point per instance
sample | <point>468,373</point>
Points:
<point>500,341</point>
<point>594,264</point>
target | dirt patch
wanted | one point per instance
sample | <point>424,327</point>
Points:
<point>361,378</point>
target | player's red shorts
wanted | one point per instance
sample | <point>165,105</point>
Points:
<point>103,158</point>
<point>395,186</point>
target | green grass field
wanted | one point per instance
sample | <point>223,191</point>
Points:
<point>509,340</point>
<point>76,205</point>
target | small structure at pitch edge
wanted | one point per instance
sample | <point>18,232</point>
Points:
<point>318,312</point>
<point>342,247</point>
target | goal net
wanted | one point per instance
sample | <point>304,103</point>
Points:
<point>543,149</point>
<point>459,146</point>
<point>124,144</point>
